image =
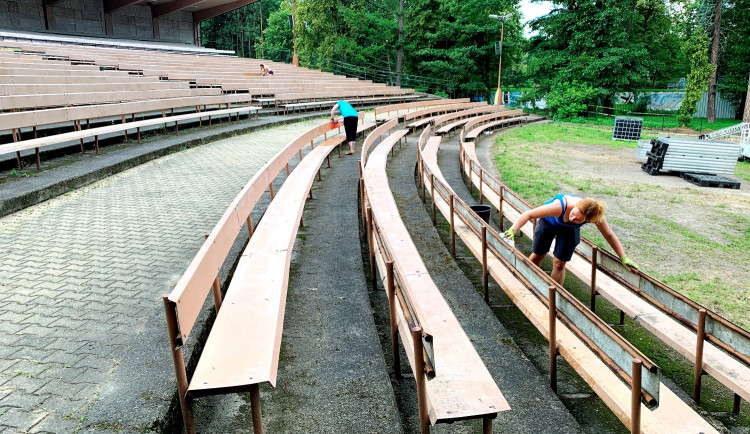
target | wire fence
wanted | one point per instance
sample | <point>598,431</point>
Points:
<point>390,78</point>
<point>651,120</point>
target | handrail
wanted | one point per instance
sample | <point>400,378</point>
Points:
<point>612,348</point>
<point>409,105</point>
<point>205,266</point>
<point>724,334</point>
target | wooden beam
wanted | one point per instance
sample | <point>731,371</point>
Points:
<point>114,5</point>
<point>162,9</point>
<point>204,14</point>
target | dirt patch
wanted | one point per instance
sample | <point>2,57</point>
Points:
<point>696,239</point>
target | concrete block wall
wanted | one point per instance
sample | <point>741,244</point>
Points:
<point>22,15</point>
<point>177,26</point>
<point>133,22</point>
<point>85,17</point>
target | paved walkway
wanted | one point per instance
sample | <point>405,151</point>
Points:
<point>82,275</point>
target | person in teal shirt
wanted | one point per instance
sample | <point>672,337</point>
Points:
<point>350,122</point>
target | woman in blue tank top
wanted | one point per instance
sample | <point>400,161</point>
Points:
<point>560,220</point>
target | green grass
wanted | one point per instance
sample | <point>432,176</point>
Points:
<point>743,170</point>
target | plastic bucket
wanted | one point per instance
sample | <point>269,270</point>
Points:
<point>483,211</point>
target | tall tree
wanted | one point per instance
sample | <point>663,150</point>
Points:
<point>716,36</point>
<point>734,63</point>
<point>700,73</point>
<point>606,46</point>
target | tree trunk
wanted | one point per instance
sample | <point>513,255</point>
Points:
<point>746,114</point>
<point>400,52</point>
<point>711,109</point>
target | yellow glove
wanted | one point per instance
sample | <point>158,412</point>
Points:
<point>628,263</point>
<point>510,234</point>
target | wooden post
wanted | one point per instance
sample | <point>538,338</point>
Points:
<point>249,226</point>
<point>486,425</point>
<point>453,229</point>
<point>270,187</point>
<point>391,286</point>
<point>371,245</point>
<point>416,336</point>
<point>594,259</point>
<point>553,338</point>
<point>635,398</point>
<point>481,185</point>
<point>736,405</point>
<point>179,367</point>
<point>500,209</point>
<point>255,409</point>
<point>287,169</point>
<point>485,272</point>
<point>698,372</point>
<point>432,197</point>
<point>216,287</point>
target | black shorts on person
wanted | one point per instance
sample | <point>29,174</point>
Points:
<point>350,126</point>
<point>567,239</point>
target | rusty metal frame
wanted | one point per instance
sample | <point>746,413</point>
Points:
<point>534,279</point>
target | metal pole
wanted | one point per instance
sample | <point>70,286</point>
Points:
<point>391,284</point>
<point>416,336</point>
<point>432,197</point>
<point>179,367</point>
<point>453,230</point>
<point>295,59</point>
<point>737,402</point>
<point>500,209</point>
<point>255,409</point>
<point>594,254</point>
<point>553,338</point>
<point>635,398</point>
<point>499,94</point>
<point>370,235</point>
<point>698,373</point>
<point>485,285</point>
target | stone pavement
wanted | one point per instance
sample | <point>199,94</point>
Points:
<point>82,275</point>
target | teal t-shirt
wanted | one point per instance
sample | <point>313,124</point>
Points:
<point>346,110</point>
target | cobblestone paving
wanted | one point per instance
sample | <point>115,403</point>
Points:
<point>81,274</point>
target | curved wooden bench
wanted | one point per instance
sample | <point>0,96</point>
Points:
<point>242,349</point>
<point>414,105</point>
<point>81,134</point>
<point>670,316</point>
<point>462,388</point>
<point>480,124</point>
<point>672,415</point>
<point>423,117</point>
<point>448,122</point>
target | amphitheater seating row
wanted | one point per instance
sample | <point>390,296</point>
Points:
<point>640,297</point>
<point>242,350</point>
<point>672,415</point>
<point>460,386</point>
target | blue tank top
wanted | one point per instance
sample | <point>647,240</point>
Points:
<point>558,221</point>
<point>346,109</point>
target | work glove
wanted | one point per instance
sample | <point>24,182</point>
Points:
<point>510,234</point>
<point>628,263</point>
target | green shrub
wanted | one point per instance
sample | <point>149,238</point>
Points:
<point>570,100</point>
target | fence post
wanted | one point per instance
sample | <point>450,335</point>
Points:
<point>553,338</point>
<point>391,286</point>
<point>416,336</point>
<point>594,254</point>
<point>453,229</point>
<point>432,197</point>
<point>485,285</point>
<point>635,398</point>
<point>698,373</point>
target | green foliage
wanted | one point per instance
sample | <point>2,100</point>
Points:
<point>734,65</point>
<point>570,100</point>
<point>700,72</point>
<point>277,33</point>
<point>238,30</point>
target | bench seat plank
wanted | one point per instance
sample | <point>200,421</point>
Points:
<point>243,346</point>
<point>462,387</point>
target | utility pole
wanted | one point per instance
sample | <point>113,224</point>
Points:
<point>499,94</point>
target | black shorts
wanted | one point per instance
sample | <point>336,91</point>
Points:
<point>350,126</point>
<point>567,239</point>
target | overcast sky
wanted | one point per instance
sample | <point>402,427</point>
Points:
<point>533,10</point>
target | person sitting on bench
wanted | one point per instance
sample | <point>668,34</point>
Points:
<point>265,70</point>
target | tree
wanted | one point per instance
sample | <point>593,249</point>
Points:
<point>606,45</point>
<point>277,33</point>
<point>716,36</point>
<point>697,79</point>
<point>734,64</point>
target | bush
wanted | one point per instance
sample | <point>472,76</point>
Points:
<point>569,100</point>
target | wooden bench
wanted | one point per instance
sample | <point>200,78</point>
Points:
<point>423,116</point>
<point>456,119</point>
<point>242,349</point>
<point>498,259</point>
<point>724,356</point>
<point>460,386</point>
<point>41,142</point>
<point>479,124</point>
<point>387,110</point>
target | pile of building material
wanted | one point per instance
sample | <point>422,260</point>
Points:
<point>691,156</point>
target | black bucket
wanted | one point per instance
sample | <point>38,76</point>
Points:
<point>483,211</point>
